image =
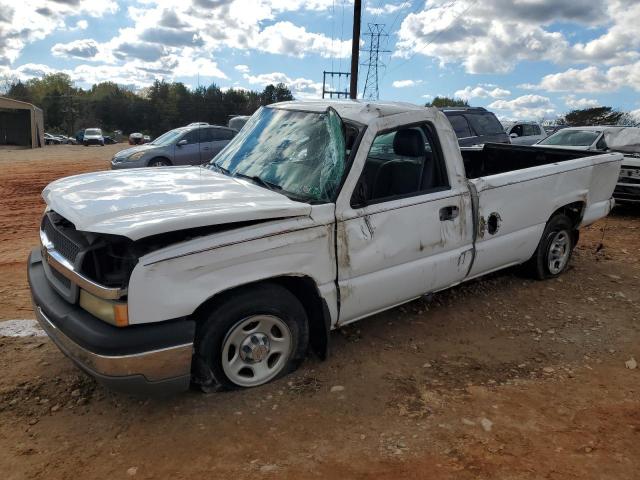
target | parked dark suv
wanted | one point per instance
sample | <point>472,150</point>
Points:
<point>475,126</point>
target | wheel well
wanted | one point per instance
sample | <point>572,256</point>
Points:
<point>574,211</point>
<point>159,158</point>
<point>305,290</point>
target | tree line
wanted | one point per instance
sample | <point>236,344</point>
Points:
<point>152,110</point>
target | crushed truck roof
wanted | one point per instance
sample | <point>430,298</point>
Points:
<point>360,111</point>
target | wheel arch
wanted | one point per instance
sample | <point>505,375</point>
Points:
<point>305,289</point>
<point>575,212</point>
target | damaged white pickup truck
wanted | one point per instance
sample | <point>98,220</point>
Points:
<point>316,215</point>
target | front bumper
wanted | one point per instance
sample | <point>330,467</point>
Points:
<point>92,141</point>
<point>143,359</point>
<point>627,193</point>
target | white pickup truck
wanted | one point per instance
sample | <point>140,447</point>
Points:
<point>316,215</point>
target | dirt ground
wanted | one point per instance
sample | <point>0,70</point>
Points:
<point>501,378</point>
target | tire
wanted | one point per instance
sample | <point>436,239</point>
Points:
<point>85,144</point>
<point>236,343</point>
<point>553,254</point>
<point>159,162</point>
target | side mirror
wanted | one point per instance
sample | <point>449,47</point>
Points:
<point>513,135</point>
<point>182,142</point>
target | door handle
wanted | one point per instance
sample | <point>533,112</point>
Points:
<point>449,213</point>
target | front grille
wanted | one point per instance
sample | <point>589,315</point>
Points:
<point>63,244</point>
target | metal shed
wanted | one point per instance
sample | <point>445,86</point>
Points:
<point>21,124</point>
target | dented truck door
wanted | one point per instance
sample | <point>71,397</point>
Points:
<point>402,231</point>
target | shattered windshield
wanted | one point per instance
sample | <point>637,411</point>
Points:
<point>299,154</point>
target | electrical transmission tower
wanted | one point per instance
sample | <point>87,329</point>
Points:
<point>376,32</point>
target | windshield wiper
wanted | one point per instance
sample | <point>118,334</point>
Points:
<point>219,168</point>
<point>259,181</point>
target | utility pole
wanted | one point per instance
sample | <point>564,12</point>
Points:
<point>355,49</point>
<point>376,30</point>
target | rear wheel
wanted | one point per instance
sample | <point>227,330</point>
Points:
<point>159,162</point>
<point>552,256</point>
<point>258,334</point>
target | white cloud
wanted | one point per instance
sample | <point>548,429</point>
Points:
<point>493,36</point>
<point>406,83</point>
<point>592,79</point>
<point>26,21</point>
<point>32,70</point>
<point>387,8</point>
<point>300,87</point>
<point>524,107</point>
<point>242,68</point>
<point>289,39</point>
<point>578,103</point>
<point>81,25</point>
<point>482,91</point>
<point>167,38</point>
<point>85,49</point>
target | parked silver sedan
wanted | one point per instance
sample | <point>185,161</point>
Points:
<point>191,145</point>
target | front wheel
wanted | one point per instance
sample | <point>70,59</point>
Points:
<point>552,256</point>
<point>256,335</point>
<point>159,162</point>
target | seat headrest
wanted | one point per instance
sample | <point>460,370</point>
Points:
<point>408,143</point>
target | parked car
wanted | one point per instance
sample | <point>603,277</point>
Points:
<point>182,146</point>
<point>50,139</point>
<point>475,126</point>
<point>136,138</point>
<point>92,136</point>
<point>581,138</point>
<point>238,122</point>
<point>224,274</point>
<point>551,129</point>
<point>108,140</point>
<point>146,139</point>
<point>604,139</point>
<point>526,133</point>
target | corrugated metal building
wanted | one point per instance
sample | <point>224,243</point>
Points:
<point>21,124</point>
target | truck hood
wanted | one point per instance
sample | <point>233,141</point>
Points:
<point>143,202</point>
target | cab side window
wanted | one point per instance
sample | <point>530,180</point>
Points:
<point>401,163</point>
<point>194,136</point>
<point>517,130</point>
<point>223,134</point>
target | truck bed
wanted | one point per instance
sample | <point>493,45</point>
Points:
<point>495,158</point>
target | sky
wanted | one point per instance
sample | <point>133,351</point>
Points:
<point>523,59</point>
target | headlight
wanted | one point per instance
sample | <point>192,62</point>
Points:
<point>115,313</point>
<point>135,156</point>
